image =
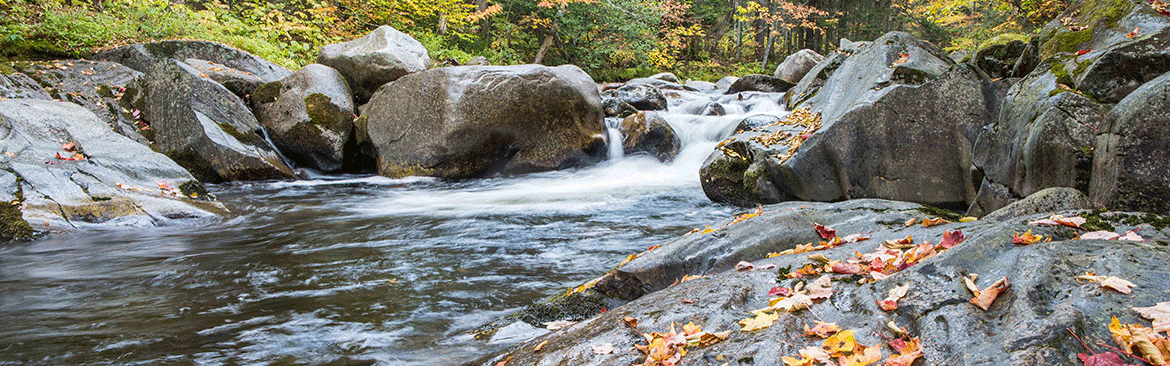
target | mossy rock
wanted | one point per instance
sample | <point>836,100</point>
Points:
<point>266,93</point>
<point>12,224</point>
<point>1090,14</point>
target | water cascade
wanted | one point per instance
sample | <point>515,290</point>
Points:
<point>613,134</point>
<point>394,271</point>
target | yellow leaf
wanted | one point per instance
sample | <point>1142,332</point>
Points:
<point>862,356</point>
<point>691,328</point>
<point>760,321</point>
<point>839,343</point>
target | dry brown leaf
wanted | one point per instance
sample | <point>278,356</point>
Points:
<point>823,330</point>
<point>539,346</point>
<point>1158,314</point>
<point>987,296</point>
<point>911,221</point>
<point>934,221</point>
<point>1112,282</point>
<point>892,297</point>
<point>821,288</point>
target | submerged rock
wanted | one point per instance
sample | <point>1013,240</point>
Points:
<point>649,133</point>
<point>475,121</point>
<point>310,116</point>
<point>144,56</point>
<point>66,170</point>
<point>1028,324</point>
<point>204,127</point>
<point>377,58</point>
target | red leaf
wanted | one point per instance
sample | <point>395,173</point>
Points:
<point>1102,359</point>
<point>826,232</point>
<point>952,238</point>
<point>847,268</point>
<point>744,265</point>
<point>780,291</point>
<point>1081,52</point>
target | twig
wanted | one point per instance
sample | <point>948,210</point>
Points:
<point>1079,340</point>
<point>1125,353</point>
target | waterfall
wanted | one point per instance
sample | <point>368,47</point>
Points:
<point>289,163</point>
<point>614,134</point>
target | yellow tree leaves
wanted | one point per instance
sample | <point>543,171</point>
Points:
<point>762,320</point>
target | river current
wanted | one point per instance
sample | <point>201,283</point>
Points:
<point>352,269</point>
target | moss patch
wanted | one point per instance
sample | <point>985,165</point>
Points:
<point>399,171</point>
<point>247,138</point>
<point>12,224</point>
<point>1091,14</point>
<point>266,93</point>
<point>323,112</point>
<point>940,213</point>
<point>193,187</point>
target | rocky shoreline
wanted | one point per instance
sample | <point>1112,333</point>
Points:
<point>941,162</point>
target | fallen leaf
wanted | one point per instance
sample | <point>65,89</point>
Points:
<point>854,238</point>
<point>821,288</point>
<point>704,339</point>
<point>760,321</point>
<point>1026,238</point>
<point>1057,220</point>
<point>1081,52</point>
<point>823,330</point>
<point>744,266</point>
<point>825,232</point>
<point>847,268</point>
<point>504,362</point>
<point>539,346</point>
<point>1130,235</point>
<point>820,258</point>
<point>892,297</point>
<point>688,301</point>
<point>911,221</point>
<point>691,328</point>
<point>952,238</point>
<point>908,242</point>
<point>631,322</point>
<point>840,343</point>
<point>1102,359</point>
<point>1159,314</point>
<point>967,219</point>
<point>69,146</point>
<point>603,349</point>
<point>798,301</point>
<point>1100,235</point>
<point>1112,282</point>
<point>908,351</point>
<point>554,325</point>
<point>902,58</point>
<point>862,356</point>
<point>779,291</point>
<point>987,296</point>
<point>934,221</point>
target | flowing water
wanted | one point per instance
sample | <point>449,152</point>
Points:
<point>351,269</point>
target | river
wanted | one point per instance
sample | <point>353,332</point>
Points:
<point>352,269</point>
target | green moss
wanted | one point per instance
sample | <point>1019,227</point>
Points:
<point>247,138</point>
<point>1091,14</point>
<point>99,198</point>
<point>1062,75</point>
<point>323,112</point>
<point>940,213</point>
<point>266,93</point>
<point>6,68</point>
<point>998,46</point>
<point>1094,221</point>
<point>196,188</point>
<point>12,224</point>
<point>399,171</point>
<point>104,91</point>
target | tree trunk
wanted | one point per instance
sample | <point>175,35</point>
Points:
<point>543,48</point>
<point>484,25</point>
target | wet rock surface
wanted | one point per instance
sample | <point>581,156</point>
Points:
<point>67,170</point>
<point>474,121</point>
<point>95,85</point>
<point>1026,325</point>
<point>643,97</point>
<point>204,127</point>
<point>759,83</point>
<point>648,133</point>
<point>309,115</point>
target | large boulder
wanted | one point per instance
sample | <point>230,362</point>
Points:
<point>204,127</point>
<point>649,133</point>
<point>239,82</point>
<point>18,86</point>
<point>1131,163</point>
<point>702,86</point>
<point>310,116</point>
<point>760,83</point>
<point>1043,138</point>
<point>1120,69</point>
<point>813,80</point>
<point>725,83</point>
<point>892,119</point>
<point>666,76</point>
<point>66,170</point>
<point>641,96</point>
<point>144,56</point>
<point>796,65</point>
<point>998,56</point>
<point>1046,201</point>
<point>377,58</point>
<point>474,121</point>
<point>694,279</point>
<point>95,85</point>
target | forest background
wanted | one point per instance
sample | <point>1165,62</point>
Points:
<point>611,39</point>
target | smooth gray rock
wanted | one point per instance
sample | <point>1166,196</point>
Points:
<point>95,85</point>
<point>205,128</point>
<point>796,65</point>
<point>649,133</point>
<point>760,83</point>
<point>377,58</point>
<point>309,115</point>
<point>755,121</point>
<point>239,82</point>
<point>478,61</point>
<point>118,182</point>
<point>642,97</point>
<point>850,47</point>
<point>1120,69</point>
<point>812,81</point>
<point>725,83</point>
<point>1131,161</point>
<point>1028,324</point>
<point>1046,201</point>
<point>666,76</point>
<point>1040,140</point>
<point>475,121</point>
<point>712,109</point>
<point>702,86</point>
<point>144,56</point>
<point>19,86</point>
<point>959,55</point>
